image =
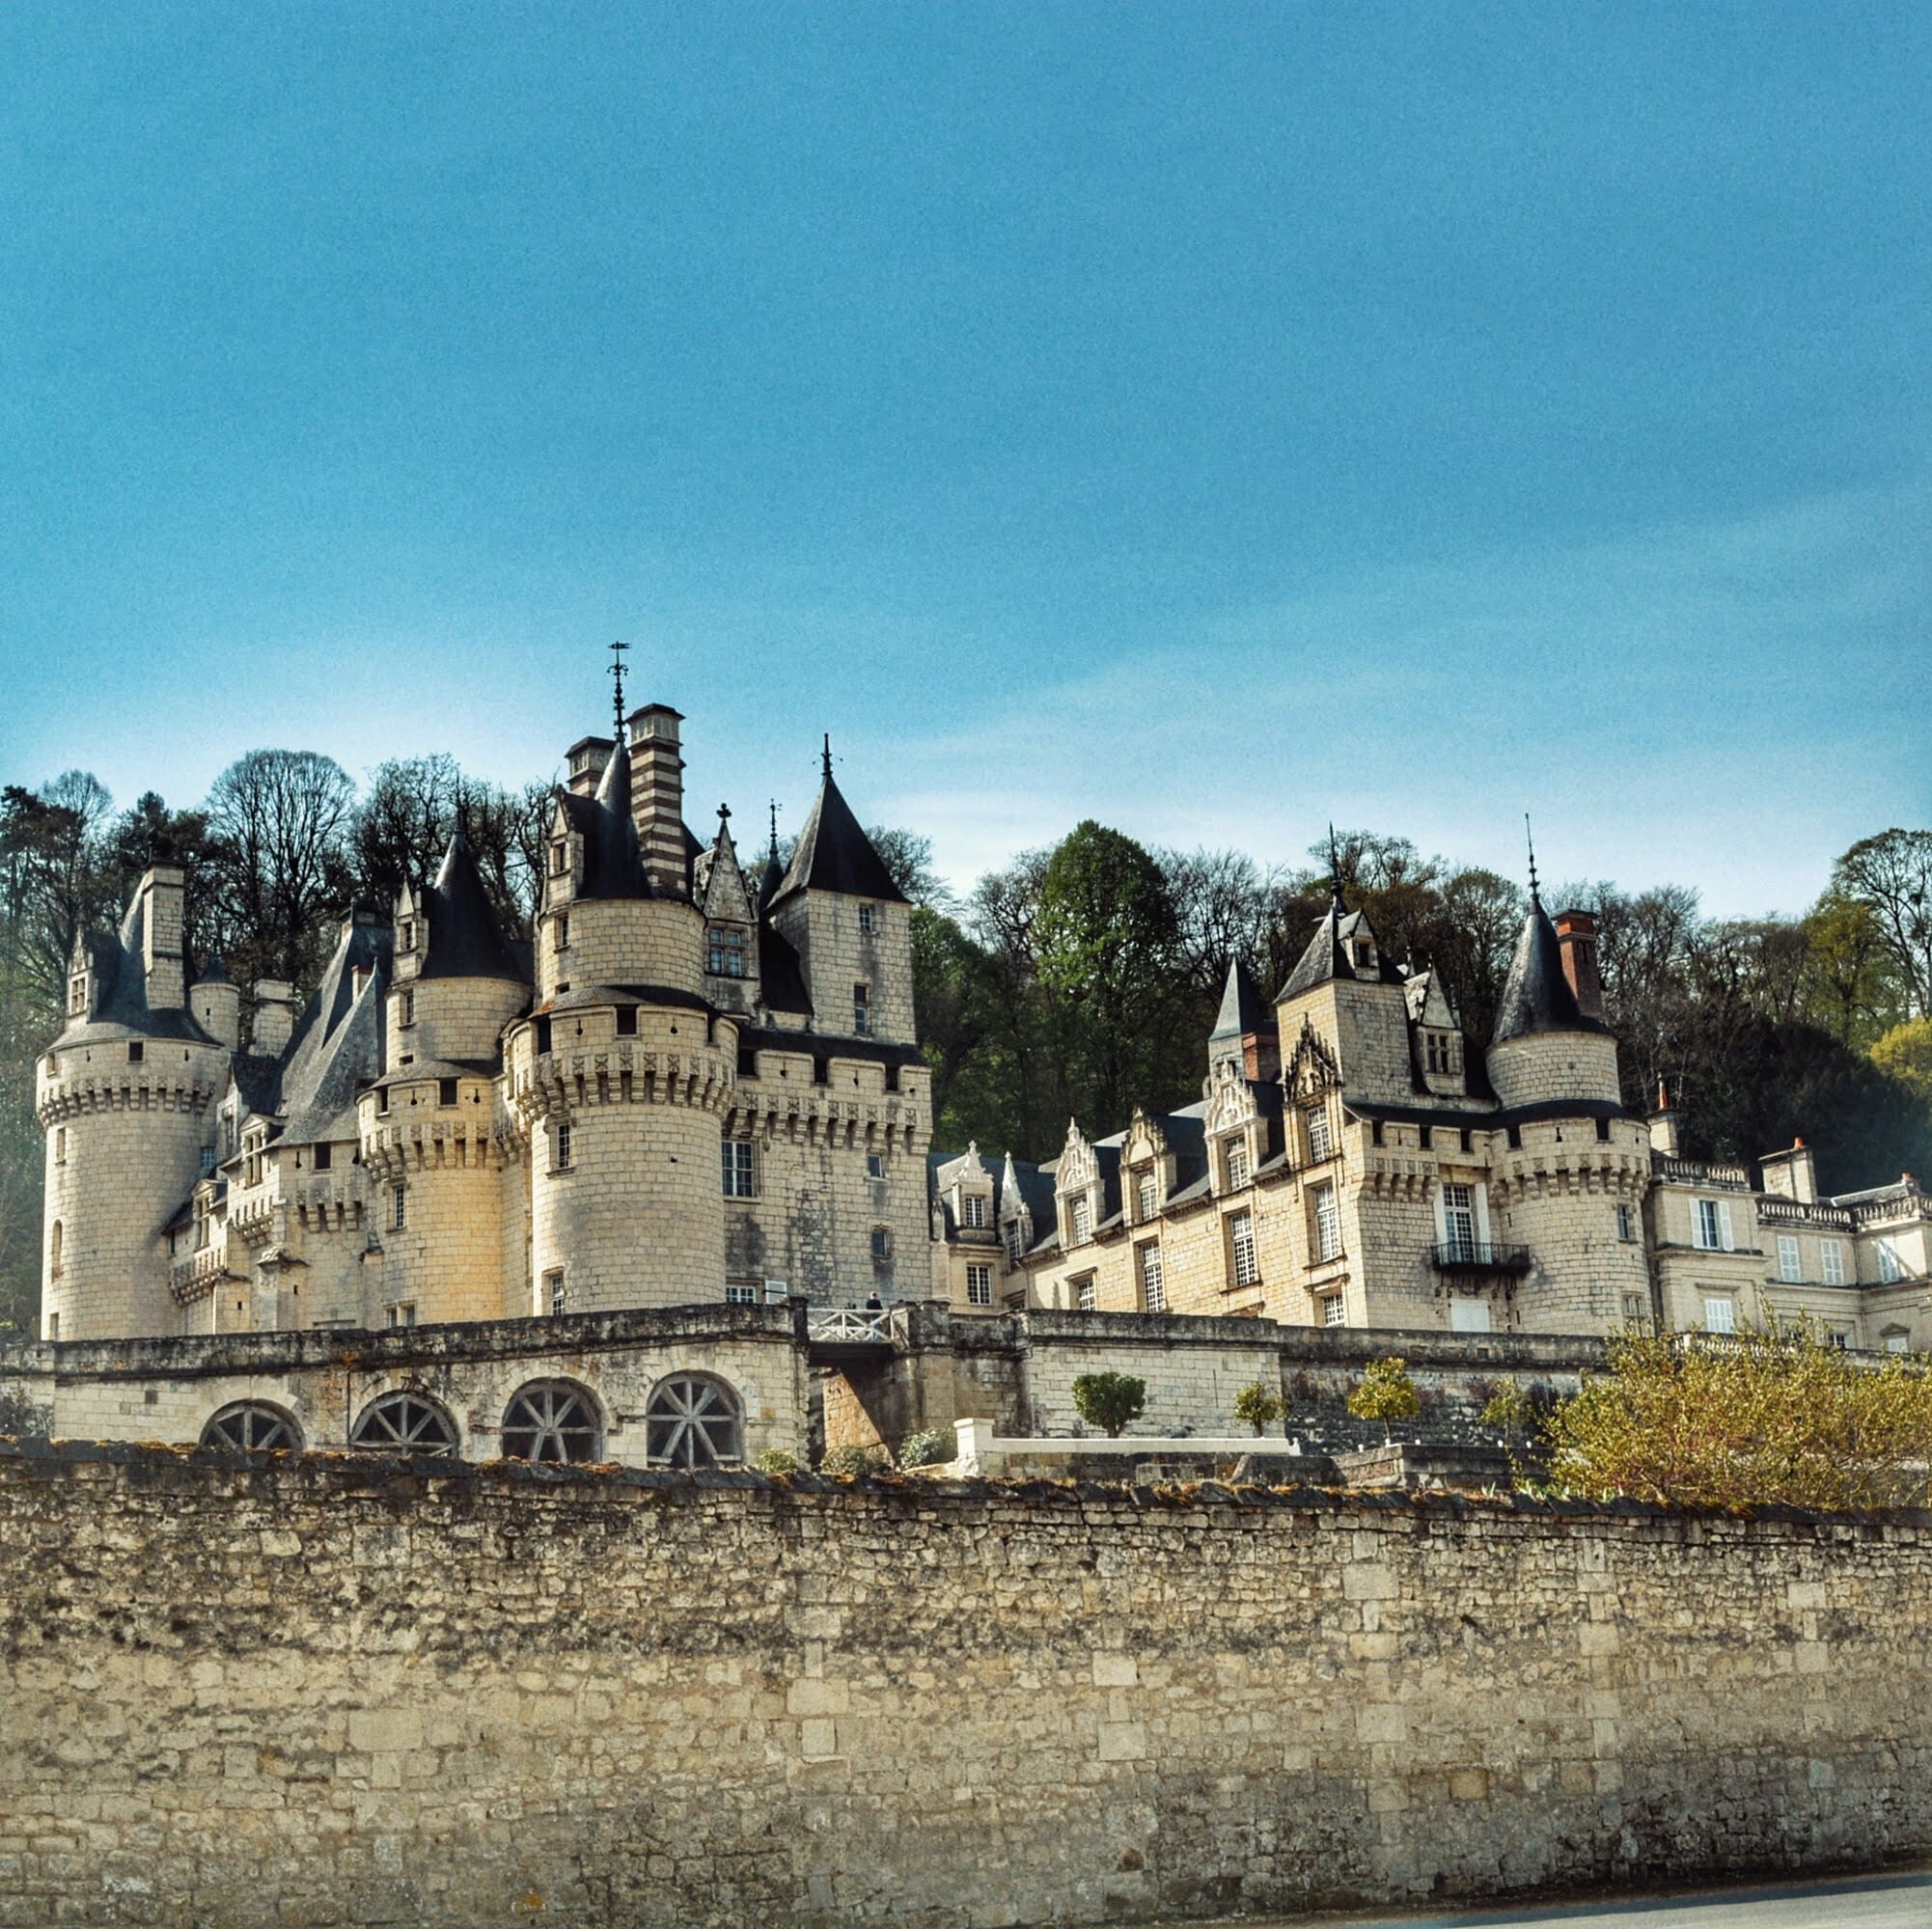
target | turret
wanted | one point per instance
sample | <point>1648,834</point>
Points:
<point>123,1096</point>
<point>1354,998</point>
<point>1245,1030</point>
<point>216,1001</point>
<point>837,906</point>
<point>1545,1046</point>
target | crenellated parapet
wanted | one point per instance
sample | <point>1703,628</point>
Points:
<point>1600,1172</point>
<point>177,1077</point>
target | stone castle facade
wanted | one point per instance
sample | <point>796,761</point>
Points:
<point>700,1084</point>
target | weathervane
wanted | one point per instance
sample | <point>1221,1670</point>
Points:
<point>617,676</point>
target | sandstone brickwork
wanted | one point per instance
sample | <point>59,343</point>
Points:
<point>321,1692</point>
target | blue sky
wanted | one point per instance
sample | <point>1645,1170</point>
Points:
<point>1212,419</point>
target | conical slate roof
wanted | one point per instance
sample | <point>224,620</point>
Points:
<point>1327,954</point>
<point>214,972</point>
<point>1243,1010</point>
<point>1536,995</point>
<point>465,938</point>
<point>833,854</point>
<point>613,864</point>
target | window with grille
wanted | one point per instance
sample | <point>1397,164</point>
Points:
<point>1833,1256</point>
<point>1085,1294</point>
<point>252,1426</point>
<point>555,1295</point>
<point>1153,1279</point>
<point>403,1313</point>
<point>1241,1245</point>
<point>726,953</point>
<point>865,916</point>
<point>1082,1219</point>
<point>551,1420</point>
<point>974,1208</point>
<point>1147,1198</point>
<point>862,1010</point>
<point>882,1242</point>
<point>1321,1141</point>
<point>1459,1221</point>
<point>1237,1164</point>
<point>1327,1224</point>
<point>1334,1311</point>
<point>1015,1245</point>
<point>399,1211</point>
<point>1787,1259</point>
<point>740,1168</point>
<point>406,1009</point>
<point>406,1423</point>
<point>1634,1308</point>
<point>692,1421</point>
<point>741,1292</point>
<point>978,1285</point>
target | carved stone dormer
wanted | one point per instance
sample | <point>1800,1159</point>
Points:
<point>1233,1128</point>
<point>1435,1036</point>
<point>724,894</point>
<point>1313,1087</point>
<point>969,1195</point>
<point>1147,1170</point>
<point>1080,1189</point>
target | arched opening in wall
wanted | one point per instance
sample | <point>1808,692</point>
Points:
<point>406,1423</point>
<point>693,1421</point>
<point>253,1425</point>
<point>551,1419</point>
<point>55,1241</point>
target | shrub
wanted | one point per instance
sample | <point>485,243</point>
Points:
<point>1386,1393</point>
<point>930,1448</point>
<point>776,1460</point>
<point>1110,1401</point>
<point>1260,1406</point>
<point>1508,1409</point>
<point>1777,1418</point>
<point>850,1460</point>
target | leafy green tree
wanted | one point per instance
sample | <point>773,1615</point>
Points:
<point>1386,1393</point>
<point>1260,1406</point>
<point>1767,1419</point>
<point>1110,1401</point>
<point>1905,1054</point>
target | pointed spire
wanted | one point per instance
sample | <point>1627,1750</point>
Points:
<point>833,852</point>
<point>1536,995</point>
<point>464,938</point>
<point>1243,1010</point>
<point>613,864</point>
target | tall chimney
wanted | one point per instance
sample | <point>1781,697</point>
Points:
<point>1663,1123</point>
<point>1576,938</point>
<point>161,937</point>
<point>586,759</point>
<point>1792,1174</point>
<point>274,1017</point>
<point>658,796</point>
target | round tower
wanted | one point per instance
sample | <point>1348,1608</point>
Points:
<point>125,1096</point>
<point>428,1125</point>
<point>617,1081</point>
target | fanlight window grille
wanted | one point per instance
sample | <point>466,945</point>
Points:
<point>406,1422</point>
<point>691,1422</point>
<point>250,1427</point>
<point>550,1421</point>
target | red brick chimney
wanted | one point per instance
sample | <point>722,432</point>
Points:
<point>1576,937</point>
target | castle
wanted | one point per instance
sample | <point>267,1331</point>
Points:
<point>698,1086</point>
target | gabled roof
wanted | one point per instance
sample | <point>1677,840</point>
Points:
<point>465,938</point>
<point>1242,1009</point>
<point>341,1038</point>
<point>1327,957</point>
<point>833,853</point>
<point>1536,995</point>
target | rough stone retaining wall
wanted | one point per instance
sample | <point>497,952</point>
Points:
<point>318,1691</point>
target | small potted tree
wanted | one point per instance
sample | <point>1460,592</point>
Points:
<point>1386,1393</point>
<point>1110,1401</point>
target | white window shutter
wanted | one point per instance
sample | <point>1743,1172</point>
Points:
<point>1441,1221</point>
<point>1482,1190</point>
<point>1724,1225</point>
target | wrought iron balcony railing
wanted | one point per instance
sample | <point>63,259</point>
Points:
<point>1478,1255</point>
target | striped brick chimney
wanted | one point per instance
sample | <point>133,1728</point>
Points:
<point>658,796</point>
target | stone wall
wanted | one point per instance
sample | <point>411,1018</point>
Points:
<point>350,1692</point>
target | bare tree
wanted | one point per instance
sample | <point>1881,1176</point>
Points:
<point>1893,874</point>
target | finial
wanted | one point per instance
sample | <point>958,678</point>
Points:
<point>774,827</point>
<point>617,676</point>
<point>1528,838</point>
<point>828,756</point>
<point>1334,867</point>
<point>723,819</point>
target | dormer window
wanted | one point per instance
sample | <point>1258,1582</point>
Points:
<point>1237,1164</point>
<point>1083,1221</point>
<point>973,1210</point>
<point>407,937</point>
<point>1147,1198</point>
<point>725,952</point>
<point>1365,954</point>
<point>560,858</point>
<point>1321,1141</point>
<point>78,995</point>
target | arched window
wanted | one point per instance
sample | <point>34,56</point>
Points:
<point>692,1421</point>
<point>406,1422</point>
<point>251,1425</point>
<point>55,1240</point>
<point>551,1419</point>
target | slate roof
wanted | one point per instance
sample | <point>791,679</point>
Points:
<point>120,996</point>
<point>781,973</point>
<point>613,863</point>
<point>1242,1009</point>
<point>339,1043</point>
<point>1536,995</point>
<point>833,853</point>
<point>465,937</point>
